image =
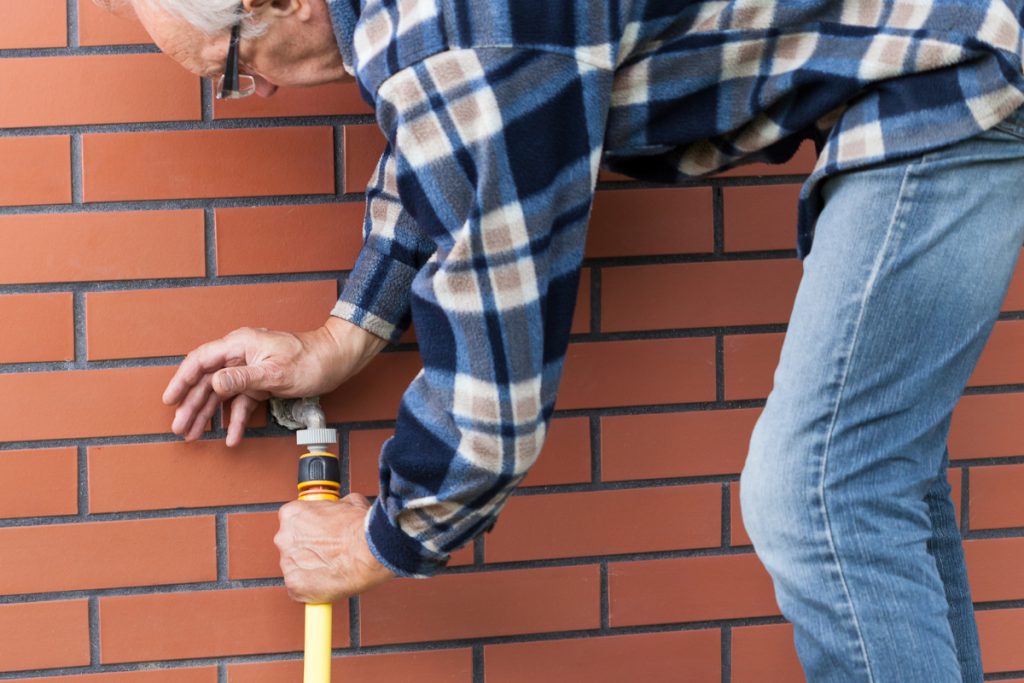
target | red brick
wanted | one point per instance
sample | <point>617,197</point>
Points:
<point>21,473</point>
<point>693,656</point>
<point>607,176</point>
<point>986,426</point>
<point>760,217</point>
<point>364,448</point>
<point>137,245</point>
<point>373,394</point>
<point>161,476</point>
<point>604,374</point>
<point>698,294</point>
<point>206,674</point>
<point>35,170</point>
<point>439,666</point>
<point>40,23</point>
<point>689,589</point>
<point>647,222</point>
<point>1000,639</point>
<point>994,497</point>
<point>171,322</point>
<point>44,635</point>
<point>220,623</point>
<point>480,605</point>
<point>108,555</point>
<point>765,653</point>
<point>253,555</point>
<point>581,314</point>
<point>995,567</point>
<point>1001,361</point>
<point>363,148</point>
<point>565,458</point>
<point>251,550</point>
<point>288,239</point>
<point>96,26</point>
<point>37,328</point>
<point>1014,300</point>
<point>92,90</point>
<point>690,444</point>
<point>802,163</point>
<point>750,361</point>
<point>737,531</point>
<point>335,99</point>
<point>83,403</point>
<point>208,163</point>
<point>607,523</point>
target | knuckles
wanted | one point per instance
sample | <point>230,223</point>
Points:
<point>274,374</point>
<point>289,511</point>
<point>357,500</point>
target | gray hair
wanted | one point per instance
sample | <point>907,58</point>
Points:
<point>209,16</point>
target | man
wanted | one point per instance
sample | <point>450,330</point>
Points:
<point>497,115</point>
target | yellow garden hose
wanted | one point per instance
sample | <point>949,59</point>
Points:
<point>319,475</point>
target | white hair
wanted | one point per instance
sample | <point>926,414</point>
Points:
<point>209,16</point>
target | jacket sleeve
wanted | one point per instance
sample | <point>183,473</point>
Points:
<point>496,153</point>
<point>376,293</point>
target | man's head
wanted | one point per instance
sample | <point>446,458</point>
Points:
<point>284,42</point>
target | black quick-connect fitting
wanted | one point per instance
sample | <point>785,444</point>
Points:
<point>320,467</point>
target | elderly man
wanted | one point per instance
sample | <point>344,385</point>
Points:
<point>497,115</point>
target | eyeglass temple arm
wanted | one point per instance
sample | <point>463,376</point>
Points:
<point>231,69</point>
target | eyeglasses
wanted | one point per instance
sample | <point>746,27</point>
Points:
<point>234,85</point>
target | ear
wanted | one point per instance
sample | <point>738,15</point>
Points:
<point>279,9</point>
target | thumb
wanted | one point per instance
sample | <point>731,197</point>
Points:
<point>229,382</point>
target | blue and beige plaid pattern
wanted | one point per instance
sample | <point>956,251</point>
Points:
<point>497,117</point>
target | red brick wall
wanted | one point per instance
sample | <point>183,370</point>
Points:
<point>139,217</point>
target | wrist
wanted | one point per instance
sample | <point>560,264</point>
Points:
<point>377,571</point>
<point>351,343</point>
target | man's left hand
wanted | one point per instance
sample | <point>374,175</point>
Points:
<point>324,553</point>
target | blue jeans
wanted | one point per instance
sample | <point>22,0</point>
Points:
<point>844,492</point>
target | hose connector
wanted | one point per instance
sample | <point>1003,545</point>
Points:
<point>319,469</point>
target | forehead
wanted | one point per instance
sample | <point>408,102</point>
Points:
<point>198,52</point>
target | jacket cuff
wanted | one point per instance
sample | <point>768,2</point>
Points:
<point>397,551</point>
<point>376,295</point>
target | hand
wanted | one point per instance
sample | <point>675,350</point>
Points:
<point>324,553</point>
<point>252,364</point>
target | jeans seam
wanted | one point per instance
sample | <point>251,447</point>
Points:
<point>1010,128</point>
<point>876,269</point>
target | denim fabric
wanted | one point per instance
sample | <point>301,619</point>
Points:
<point>845,492</point>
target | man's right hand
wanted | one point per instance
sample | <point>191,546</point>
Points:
<point>252,364</point>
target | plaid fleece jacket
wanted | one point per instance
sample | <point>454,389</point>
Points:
<point>498,114</point>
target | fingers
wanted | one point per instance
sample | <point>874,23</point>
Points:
<point>236,380</point>
<point>195,401</point>
<point>241,410</point>
<point>203,417</point>
<point>203,360</point>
